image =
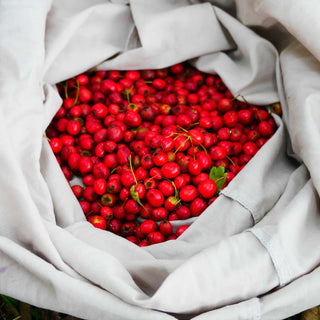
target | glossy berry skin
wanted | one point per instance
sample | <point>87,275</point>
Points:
<point>250,148</point>
<point>155,198</point>
<point>245,116</point>
<point>108,200</point>
<point>132,207</point>
<point>99,110</point>
<point>100,186</point>
<point>194,167</point>
<point>181,230</point>
<point>196,136</point>
<point>139,189</point>
<point>218,153</point>
<point>114,225</point>
<point>207,188</point>
<point>98,222</point>
<point>100,170</point>
<point>171,203</point>
<point>148,226</point>
<point>132,118</point>
<point>197,206</point>
<point>170,170</point>
<point>265,129</point>
<point>160,158</point>
<point>85,165</point>
<point>155,237</point>
<point>182,143</point>
<point>56,145</point>
<point>144,143</point>
<point>127,229</point>
<point>159,214</point>
<point>180,181</point>
<point>224,105</point>
<point>166,188</point>
<point>85,206</point>
<point>77,190</point>
<point>106,212</point>
<point>73,127</point>
<point>196,180</point>
<point>113,185</point>
<point>165,227</point>
<point>230,119</point>
<point>188,193</point>
<point>183,212</point>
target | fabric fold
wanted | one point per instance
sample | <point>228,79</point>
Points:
<point>250,255</point>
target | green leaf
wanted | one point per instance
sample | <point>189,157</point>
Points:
<point>218,175</point>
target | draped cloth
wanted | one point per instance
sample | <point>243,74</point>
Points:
<point>253,253</point>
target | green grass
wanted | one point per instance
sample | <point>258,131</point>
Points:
<point>12,309</point>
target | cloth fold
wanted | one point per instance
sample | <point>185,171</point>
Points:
<point>252,253</point>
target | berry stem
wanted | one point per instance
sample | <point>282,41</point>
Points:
<point>77,92</point>
<point>131,168</point>
<point>66,90</point>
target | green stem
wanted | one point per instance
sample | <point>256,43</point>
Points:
<point>230,160</point>
<point>127,91</point>
<point>237,96</point>
<point>77,93</point>
<point>182,144</point>
<point>176,192</point>
<point>66,90</point>
<point>131,168</point>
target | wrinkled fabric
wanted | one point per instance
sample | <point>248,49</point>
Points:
<point>253,253</point>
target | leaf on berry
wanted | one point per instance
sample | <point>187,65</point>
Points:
<point>218,175</point>
<point>134,194</point>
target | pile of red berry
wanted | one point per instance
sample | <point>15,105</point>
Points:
<point>152,146</point>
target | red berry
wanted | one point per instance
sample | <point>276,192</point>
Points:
<point>155,198</point>
<point>265,129</point>
<point>207,188</point>
<point>181,230</point>
<point>148,226</point>
<point>159,214</point>
<point>100,186</point>
<point>170,170</point>
<point>155,237</point>
<point>77,190</point>
<point>224,105</point>
<point>108,200</point>
<point>165,227</point>
<point>160,158</point>
<point>197,206</point>
<point>230,119</point>
<point>250,148</point>
<point>132,118</point>
<point>188,193</point>
<point>56,145</point>
<point>196,136</point>
<point>73,127</point>
<point>218,153</point>
<point>194,167</point>
<point>166,188</point>
<point>114,225</point>
<point>85,165</point>
<point>85,94</point>
<point>183,213</point>
<point>106,212</point>
<point>98,221</point>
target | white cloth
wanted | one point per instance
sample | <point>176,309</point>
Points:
<point>253,254</point>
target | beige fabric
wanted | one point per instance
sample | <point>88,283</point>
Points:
<point>253,254</point>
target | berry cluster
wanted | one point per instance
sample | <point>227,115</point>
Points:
<point>152,146</point>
